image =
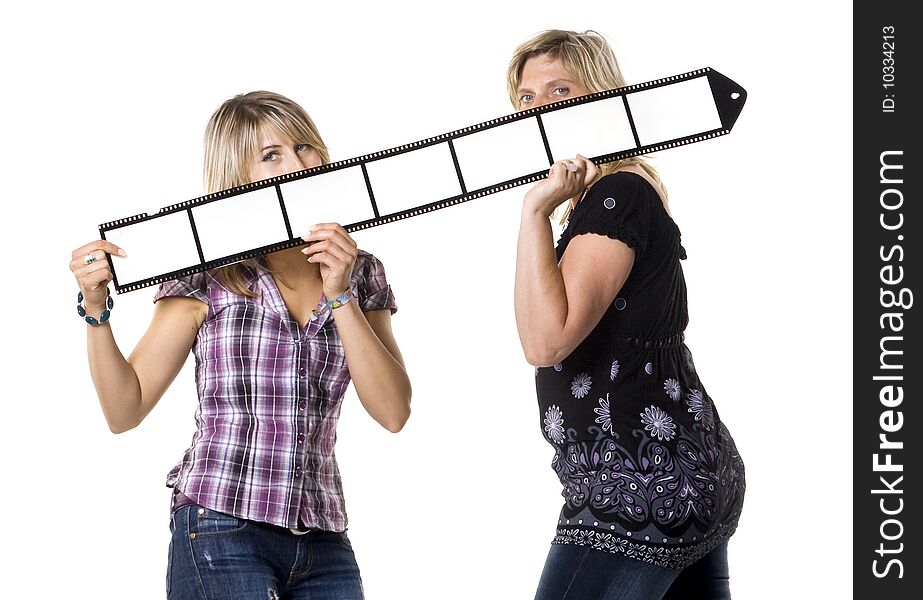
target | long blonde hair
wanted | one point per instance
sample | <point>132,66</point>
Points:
<point>232,147</point>
<point>589,58</point>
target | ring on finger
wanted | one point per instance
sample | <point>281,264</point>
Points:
<point>570,166</point>
<point>89,259</point>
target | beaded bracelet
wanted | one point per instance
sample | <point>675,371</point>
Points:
<point>335,303</point>
<point>105,314</point>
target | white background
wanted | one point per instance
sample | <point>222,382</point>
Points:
<point>104,107</point>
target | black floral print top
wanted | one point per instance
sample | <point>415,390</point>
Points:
<point>649,471</point>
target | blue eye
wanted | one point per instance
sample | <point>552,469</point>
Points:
<point>302,147</point>
<point>560,91</point>
<point>270,156</point>
<point>526,98</point>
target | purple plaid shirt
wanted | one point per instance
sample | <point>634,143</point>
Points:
<point>269,399</point>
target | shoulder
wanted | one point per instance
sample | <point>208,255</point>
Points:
<point>625,185</point>
<point>190,286</point>
<point>623,196</point>
<point>368,262</point>
<point>183,298</point>
<point>623,180</point>
<point>613,198</point>
<point>365,255</point>
<point>369,271</point>
<point>621,206</point>
<point>210,286</point>
<point>371,284</point>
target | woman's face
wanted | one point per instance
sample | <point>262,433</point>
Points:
<point>544,81</point>
<point>277,154</point>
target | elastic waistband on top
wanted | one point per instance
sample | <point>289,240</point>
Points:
<point>638,343</point>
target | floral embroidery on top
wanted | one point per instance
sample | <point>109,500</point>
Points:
<point>659,423</point>
<point>701,409</point>
<point>671,386</point>
<point>614,371</point>
<point>554,424</point>
<point>604,418</point>
<point>580,387</point>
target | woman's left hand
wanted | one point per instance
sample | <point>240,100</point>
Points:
<point>335,251</point>
<point>566,179</point>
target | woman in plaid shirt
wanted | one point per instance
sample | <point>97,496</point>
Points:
<point>258,507</point>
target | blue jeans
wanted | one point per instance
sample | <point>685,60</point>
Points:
<point>214,556</point>
<point>581,573</point>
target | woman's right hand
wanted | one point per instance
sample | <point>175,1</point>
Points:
<point>93,277</point>
<point>566,180</point>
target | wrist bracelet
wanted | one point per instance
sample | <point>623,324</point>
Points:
<point>105,314</point>
<point>337,302</point>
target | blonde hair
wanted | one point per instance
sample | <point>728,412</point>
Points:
<point>588,57</point>
<point>232,146</point>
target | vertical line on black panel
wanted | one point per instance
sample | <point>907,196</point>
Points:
<point>368,186</point>
<point>541,130</point>
<point>288,226</point>
<point>195,236</point>
<point>461,180</point>
<point>631,120</point>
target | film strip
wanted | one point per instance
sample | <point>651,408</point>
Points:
<point>270,215</point>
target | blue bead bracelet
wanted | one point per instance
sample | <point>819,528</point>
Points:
<point>103,317</point>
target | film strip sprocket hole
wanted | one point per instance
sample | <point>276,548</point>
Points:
<point>270,215</point>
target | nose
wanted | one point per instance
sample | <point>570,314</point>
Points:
<point>305,159</point>
<point>541,101</point>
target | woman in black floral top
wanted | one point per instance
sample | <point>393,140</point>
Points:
<point>653,483</point>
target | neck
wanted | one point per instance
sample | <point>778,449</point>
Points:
<point>291,267</point>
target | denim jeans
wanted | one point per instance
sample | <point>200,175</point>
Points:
<point>581,573</point>
<point>214,556</point>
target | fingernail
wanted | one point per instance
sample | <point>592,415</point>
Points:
<point>122,252</point>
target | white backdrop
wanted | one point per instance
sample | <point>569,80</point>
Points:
<point>104,108</point>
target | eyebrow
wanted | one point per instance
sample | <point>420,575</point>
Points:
<point>265,148</point>
<point>559,81</point>
<point>551,83</point>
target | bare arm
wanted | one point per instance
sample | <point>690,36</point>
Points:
<point>374,360</point>
<point>557,305</point>
<point>375,364</point>
<point>129,389</point>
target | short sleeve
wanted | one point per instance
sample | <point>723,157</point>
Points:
<point>193,286</point>
<point>371,285</point>
<point>614,207</point>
